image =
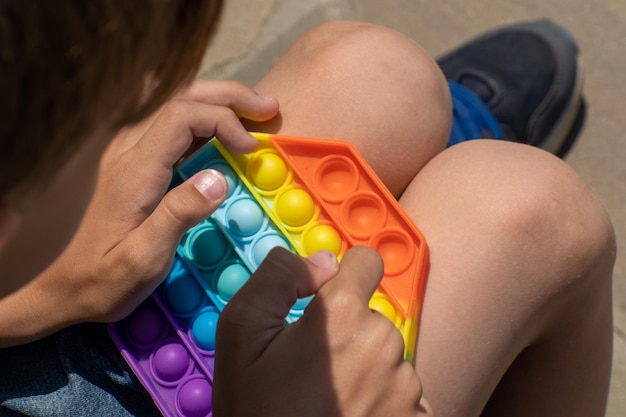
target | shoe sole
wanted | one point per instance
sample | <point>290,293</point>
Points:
<point>567,128</point>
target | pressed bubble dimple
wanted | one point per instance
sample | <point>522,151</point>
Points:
<point>396,248</point>
<point>206,246</point>
<point>363,214</point>
<point>183,294</point>
<point>335,178</point>
<point>146,325</point>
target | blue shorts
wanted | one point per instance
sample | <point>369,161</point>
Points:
<point>75,372</point>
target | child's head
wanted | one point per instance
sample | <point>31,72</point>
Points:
<point>73,73</point>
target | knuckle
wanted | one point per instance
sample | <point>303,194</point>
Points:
<point>175,206</point>
<point>138,263</point>
<point>408,379</point>
<point>344,304</point>
<point>197,86</point>
<point>176,108</point>
<point>235,85</point>
<point>389,340</point>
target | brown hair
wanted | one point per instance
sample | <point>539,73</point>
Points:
<point>69,66</point>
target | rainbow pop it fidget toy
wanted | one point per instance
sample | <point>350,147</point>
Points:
<point>304,195</point>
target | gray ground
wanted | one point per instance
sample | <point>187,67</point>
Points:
<point>255,33</point>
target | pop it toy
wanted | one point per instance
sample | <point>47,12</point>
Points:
<point>301,194</point>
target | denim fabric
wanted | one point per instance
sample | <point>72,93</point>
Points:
<point>76,372</point>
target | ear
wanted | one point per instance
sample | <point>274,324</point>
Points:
<point>10,221</point>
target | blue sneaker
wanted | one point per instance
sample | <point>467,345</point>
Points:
<point>522,83</point>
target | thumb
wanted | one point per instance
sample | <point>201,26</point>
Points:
<point>180,209</point>
<point>256,314</point>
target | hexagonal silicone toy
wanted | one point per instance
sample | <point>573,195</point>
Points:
<point>301,194</point>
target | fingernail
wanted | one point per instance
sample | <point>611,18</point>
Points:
<point>211,184</point>
<point>265,97</point>
<point>323,259</point>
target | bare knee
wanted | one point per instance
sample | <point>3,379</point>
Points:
<point>539,201</point>
<point>537,217</point>
<point>367,84</point>
<point>546,207</point>
<point>521,255</point>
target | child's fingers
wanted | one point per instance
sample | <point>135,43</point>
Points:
<point>181,208</point>
<point>145,170</point>
<point>256,313</point>
<point>359,274</point>
<point>344,303</point>
<point>243,100</point>
<point>171,134</point>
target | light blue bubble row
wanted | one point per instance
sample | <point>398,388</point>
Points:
<point>239,225</point>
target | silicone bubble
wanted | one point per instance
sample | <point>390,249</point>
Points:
<point>204,328</point>
<point>193,397</point>
<point>206,246</point>
<point>294,207</point>
<point>231,177</point>
<point>396,248</point>
<point>146,325</point>
<point>380,303</point>
<point>319,237</point>
<point>335,178</point>
<point>230,279</point>
<point>244,217</point>
<point>267,171</point>
<point>183,294</point>
<point>264,244</point>
<point>170,363</point>
<point>363,214</point>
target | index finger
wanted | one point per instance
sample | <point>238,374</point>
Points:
<point>360,272</point>
<point>243,100</point>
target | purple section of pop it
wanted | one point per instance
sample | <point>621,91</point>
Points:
<point>171,362</point>
<point>194,397</point>
<point>166,360</point>
<point>146,325</point>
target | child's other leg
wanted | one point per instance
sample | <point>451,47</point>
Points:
<point>519,292</point>
<point>366,84</point>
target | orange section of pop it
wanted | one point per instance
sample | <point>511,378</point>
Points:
<point>361,206</point>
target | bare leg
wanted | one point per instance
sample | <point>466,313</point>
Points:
<point>519,287</point>
<point>355,81</point>
<point>517,316</point>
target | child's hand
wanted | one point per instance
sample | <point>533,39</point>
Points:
<point>125,244</point>
<point>339,359</point>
